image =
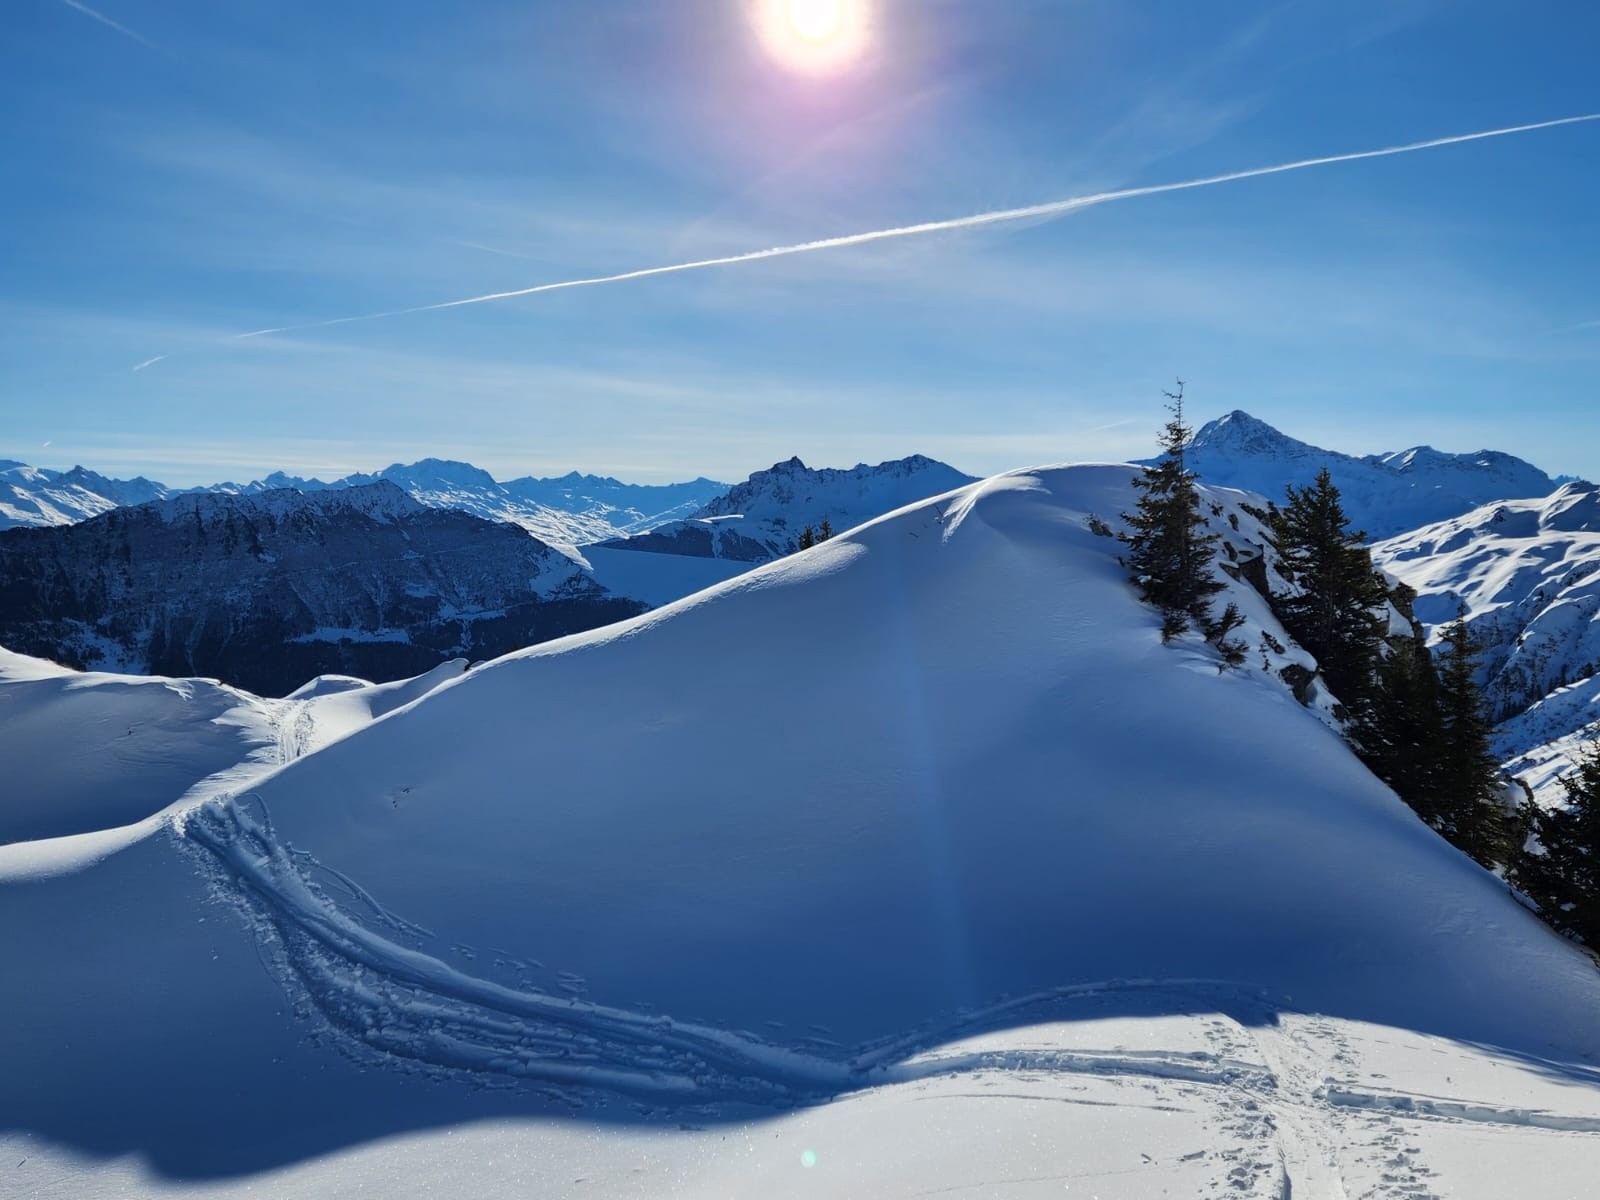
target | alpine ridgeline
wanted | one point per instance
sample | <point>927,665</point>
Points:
<point>268,590</point>
<point>1383,494</point>
<point>568,511</point>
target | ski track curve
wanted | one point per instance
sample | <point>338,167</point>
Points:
<point>1289,1126</point>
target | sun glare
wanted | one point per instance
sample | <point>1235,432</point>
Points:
<point>815,20</point>
<point>813,35</point>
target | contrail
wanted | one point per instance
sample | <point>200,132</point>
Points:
<point>105,20</point>
<point>149,362</point>
<point>1054,208</point>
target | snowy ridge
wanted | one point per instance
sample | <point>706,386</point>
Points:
<point>40,496</point>
<point>1384,494</point>
<point>381,501</point>
<point>992,516</point>
<point>913,861</point>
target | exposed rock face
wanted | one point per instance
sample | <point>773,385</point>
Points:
<point>267,590</point>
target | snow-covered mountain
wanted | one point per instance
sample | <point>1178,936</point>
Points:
<point>266,590</point>
<point>570,511</point>
<point>32,496</point>
<point>1384,494</point>
<point>759,520</point>
<point>1527,572</point>
<point>914,862</point>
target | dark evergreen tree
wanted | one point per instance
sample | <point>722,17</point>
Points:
<point>1563,875</point>
<point>1471,812</point>
<point>1336,613</point>
<point>808,538</point>
<point>1169,555</point>
<point>825,530</point>
<point>1400,732</point>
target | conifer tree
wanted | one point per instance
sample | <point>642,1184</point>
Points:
<point>1471,813</point>
<point>1563,877</point>
<point>1400,732</point>
<point>1335,614</point>
<point>825,530</point>
<point>1169,556</point>
<point>808,538</point>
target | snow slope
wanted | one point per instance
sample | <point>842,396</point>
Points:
<point>909,864</point>
<point>1384,494</point>
<point>84,752</point>
<point>40,496</point>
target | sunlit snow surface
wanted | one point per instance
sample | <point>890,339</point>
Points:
<point>911,865</point>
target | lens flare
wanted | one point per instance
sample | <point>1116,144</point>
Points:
<point>813,36</point>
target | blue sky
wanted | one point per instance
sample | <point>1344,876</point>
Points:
<point>180,172</point>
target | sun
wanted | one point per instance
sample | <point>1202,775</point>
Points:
<point>815,20</point>
<point>813,36</point>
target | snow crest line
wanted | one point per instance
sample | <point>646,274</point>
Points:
<point>1053,208</point>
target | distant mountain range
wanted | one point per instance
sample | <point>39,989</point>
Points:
<point>389,575</point>
<point>566,512</point>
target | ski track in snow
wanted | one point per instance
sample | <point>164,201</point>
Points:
<point>1289,1124</point>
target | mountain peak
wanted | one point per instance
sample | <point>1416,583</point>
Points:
<point>792,493</point>
<point>1239,432</point>
<point>1384,494</point>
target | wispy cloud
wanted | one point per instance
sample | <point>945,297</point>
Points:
<point>1055,208</point>
<point>109,23</point>
<point>149,362</point>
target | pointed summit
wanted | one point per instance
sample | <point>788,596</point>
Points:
<point>1384,494</point>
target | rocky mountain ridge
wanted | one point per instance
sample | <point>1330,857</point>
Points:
<point>270,589</point>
